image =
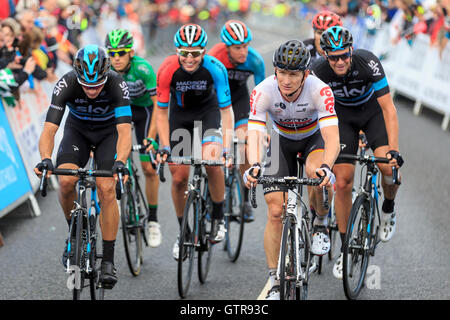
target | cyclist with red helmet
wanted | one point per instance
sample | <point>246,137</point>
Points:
<point>321,21</point>
<point>241,62</point>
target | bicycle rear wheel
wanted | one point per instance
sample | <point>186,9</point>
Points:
<point>288,274</point>
<point>234,216</point>
<point>356,248</point>
<point>205,248</point>
<point>132,236</point>
<point>186,244</point>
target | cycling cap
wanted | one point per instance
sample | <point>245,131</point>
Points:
<point>190,35</point>
<point>326,19</point>
<point>91,64</point>
<point>336,38</point>
<point>235,32</point>
<point>292,55</point>
<point>118,39</point>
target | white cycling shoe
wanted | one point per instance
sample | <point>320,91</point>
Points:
<point>154,232</point>
<point>338,267</point>
<point>387,227</point>
<point>274,293</point>
<point>320,241</point>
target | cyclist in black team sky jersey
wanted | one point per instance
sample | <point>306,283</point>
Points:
<point>194,88</point>
<point>141,81</point>
<point>241,61</point>
<point>320,22</point>
<point>99,116</point>
<point>301,108</point>
<point>363,102</point>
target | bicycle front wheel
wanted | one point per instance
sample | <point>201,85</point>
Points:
<point>356,248</point>
<point>234,217</point>
<point>77,270</point>
<point>186,244</point>
<point>288,262</point>
<point>132,236</point>
<point>205,248</point>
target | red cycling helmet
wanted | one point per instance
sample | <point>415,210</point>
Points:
<point>326,19</point>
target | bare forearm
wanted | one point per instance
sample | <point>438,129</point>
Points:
<point>162,119</point>
<point>254,143</point>
<point>227,127</point>
<point>390,120</point>
<point>332,148</point>
<point>124,141</point>
<point>152,130</point>
<point>47,140</point>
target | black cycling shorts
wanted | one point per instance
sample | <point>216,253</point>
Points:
<point>368,118</point>
<point>283,159</point>
<point>182,123</point>
<point>77,141</point>
<point>142,117</point>
<point>241,108</point>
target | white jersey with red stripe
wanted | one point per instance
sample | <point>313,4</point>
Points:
<point>297,120</point>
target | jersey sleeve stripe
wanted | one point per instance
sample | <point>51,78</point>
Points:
<point>163,105</point>
<point>212,139</point>
<point>224,107</point>
<point>380,84</point>
<point>124,111</point>
<point>241,122</point>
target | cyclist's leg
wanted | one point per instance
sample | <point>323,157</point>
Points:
<point>73,153</point>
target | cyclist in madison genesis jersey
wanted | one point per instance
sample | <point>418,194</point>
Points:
<point>241,62</point>
<point>363,102</point>
<point>301,108</point>
<point>194,86</point>
<point>141,81</point>
<point>99,116</point>
<point>320,22</point>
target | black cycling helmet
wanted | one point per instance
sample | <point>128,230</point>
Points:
<point>336,38</point>
<point>91,64</point>
<point>292,55</point>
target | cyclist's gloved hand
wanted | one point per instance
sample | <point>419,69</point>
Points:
<point>250,176</point>
<point>227,157</point>
<point>119,166</point>
<point>44,164</point>
<point>163,154</point>
<point>325,169</point>
<point>393,154</point>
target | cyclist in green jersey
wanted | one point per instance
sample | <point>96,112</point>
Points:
<point>141,81</point>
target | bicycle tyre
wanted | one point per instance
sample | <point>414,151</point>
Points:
<point>132,239</point>
<point>144,212</point>
<point>354,253</point>
<point>79,255</point>
<point>205,248</point>
<point>186,245</point>
<point>305,262</point>
<point>234,217</point>
<point>288,277</point>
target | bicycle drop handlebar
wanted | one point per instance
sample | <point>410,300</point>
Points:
<point>186,161</point>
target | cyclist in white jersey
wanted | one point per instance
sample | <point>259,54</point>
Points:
<point>301,108</point>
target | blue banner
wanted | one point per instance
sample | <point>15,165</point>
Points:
<point>13,177</point>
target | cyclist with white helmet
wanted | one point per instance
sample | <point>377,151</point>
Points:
<point>193,88</point>
<point>141,81</point>
<point>363,102</point>
<point>241,61</point>
<point>301,108</point>
<point>99,116</point>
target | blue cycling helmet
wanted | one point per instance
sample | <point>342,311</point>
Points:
<point>336,38</point>
<point>235,32</point>
<point>91,65</point>
<point>190,35</point>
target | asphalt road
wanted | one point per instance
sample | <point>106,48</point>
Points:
<point>415,264</point>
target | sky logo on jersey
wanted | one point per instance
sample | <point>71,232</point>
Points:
<point>374,66</point>
<point>345,93</point>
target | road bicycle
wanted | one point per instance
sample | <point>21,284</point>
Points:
<point>134,213</point>
<point>295,262</point>
<point>195,229</point>
<point>361,237</point>
<point>84,261</point>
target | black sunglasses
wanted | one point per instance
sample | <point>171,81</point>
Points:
<point>343,56</point>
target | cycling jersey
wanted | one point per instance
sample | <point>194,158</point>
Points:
<point>237,78</point>
<point>141,81</point>
<point>297,120</point>
<point>112,105</point>
<point>365,80</point>
<point>205,88</point>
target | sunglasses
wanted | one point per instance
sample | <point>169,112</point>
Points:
<point>194,53</point>
<point>343,56</point>
<point>120,53</point>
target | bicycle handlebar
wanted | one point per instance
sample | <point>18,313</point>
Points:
<point>290,182</point>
